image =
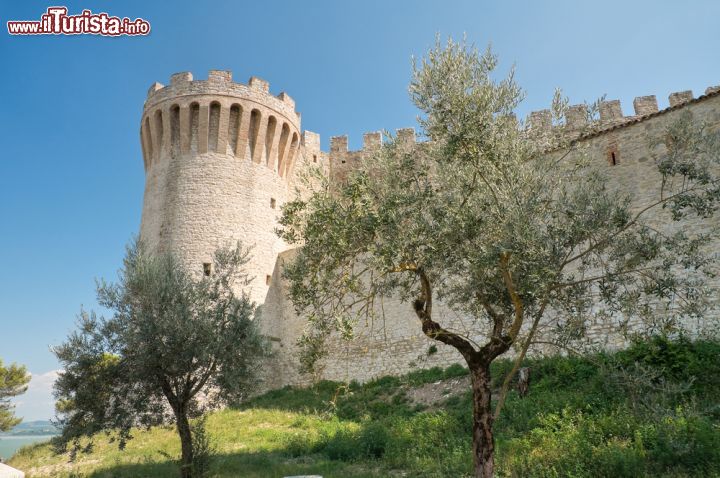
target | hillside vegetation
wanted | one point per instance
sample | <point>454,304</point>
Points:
<point>648,411</point>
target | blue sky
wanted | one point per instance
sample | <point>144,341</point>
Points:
<point>71,176</point>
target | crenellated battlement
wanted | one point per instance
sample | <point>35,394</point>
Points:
<point>220,82</point>
<point>371,141</point>
<point>216,115</point>
<point>576,120</point>
<point>576,124</point>
<point>342,160</point>
<point>611,115</point>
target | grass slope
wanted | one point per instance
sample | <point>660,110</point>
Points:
<point>652,410</point>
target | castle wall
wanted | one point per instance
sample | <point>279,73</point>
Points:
<point>622,149</point>
<point>393,344</point>
<point>221,158</point>
<point>396,344</point>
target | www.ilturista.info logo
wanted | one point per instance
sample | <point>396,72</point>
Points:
<point>57,22</point>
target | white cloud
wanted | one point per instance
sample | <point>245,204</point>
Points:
<point>37,403</point>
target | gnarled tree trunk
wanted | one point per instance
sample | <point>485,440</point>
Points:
<point>483,440</point>
<point>183,428</point>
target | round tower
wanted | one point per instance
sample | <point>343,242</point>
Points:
<point>217,156</point>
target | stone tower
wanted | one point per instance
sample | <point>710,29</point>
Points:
<point>219,161</point>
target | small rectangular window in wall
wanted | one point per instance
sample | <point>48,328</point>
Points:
<point>268,278</point>
<point>207,269</point>
<point>613,156</point>
<point>273,203</point>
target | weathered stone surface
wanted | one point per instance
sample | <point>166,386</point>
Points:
<point>645,105</point>
<point>680,97</point>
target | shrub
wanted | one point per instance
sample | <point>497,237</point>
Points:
<point>680,359</point>
<point>203,449</point>
<point>617,444</point>
<point>574,444</point>
<point>682,441</point>
<point>373,439</point>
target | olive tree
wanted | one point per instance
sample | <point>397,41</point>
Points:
<point>517,229</point>
<point>13,382</point>
<point>175,345</point>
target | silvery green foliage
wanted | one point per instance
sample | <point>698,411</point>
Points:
<point>172,339</point>
<point>14,381</point>
<point>518,229</point>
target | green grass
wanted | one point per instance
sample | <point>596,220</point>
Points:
<point>583,418</point>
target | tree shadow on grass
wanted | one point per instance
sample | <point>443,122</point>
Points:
<point>246,465</point>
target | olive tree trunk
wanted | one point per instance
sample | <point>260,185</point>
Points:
<point>482,432</point>
<point>186,446</point>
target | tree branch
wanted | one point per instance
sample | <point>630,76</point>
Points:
<point>599,277</point>
<point>518,361</point>
<point>433,330</point>
<point>630,223</point>
<point>514,297</point>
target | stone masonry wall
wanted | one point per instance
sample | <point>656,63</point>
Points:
<point>397,345</point>
<point>221,158</point>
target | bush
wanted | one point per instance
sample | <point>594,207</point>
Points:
<point>618,444</point>
<point>203,449</point>
<point>352,444</point>
<point>430,444</point>
<point>682,441</point>
<point>574,444</point>
<point>342,446</point>
<point>680,359</point>
<point>373,439</point>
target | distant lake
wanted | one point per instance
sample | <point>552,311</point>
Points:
<point>10,444</point>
